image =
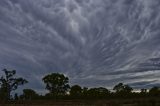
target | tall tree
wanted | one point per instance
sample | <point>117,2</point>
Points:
<point>57,84</point>
<point>98,92</point>
<point>154,91</point>
<point>9,82</point>
<point>76,91</point>
<point>121,88</point>
<point>29,94</point>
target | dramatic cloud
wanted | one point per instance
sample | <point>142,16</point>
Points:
<point>94,42</point>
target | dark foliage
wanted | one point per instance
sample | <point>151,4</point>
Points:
<point>29,94</point>
<point>76,91</point>
<point>9,83</point>
<point>57,84</point>
<point>59,89</point>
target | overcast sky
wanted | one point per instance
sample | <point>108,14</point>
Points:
<point>94,42</point>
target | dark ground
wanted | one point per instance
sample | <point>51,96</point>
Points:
<point>113,102</point>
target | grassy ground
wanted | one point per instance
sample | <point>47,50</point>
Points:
<point>115,102</point>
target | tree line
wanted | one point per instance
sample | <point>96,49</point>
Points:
<point>58,86</point>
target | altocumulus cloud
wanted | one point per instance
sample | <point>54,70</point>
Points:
<point>94,42</point>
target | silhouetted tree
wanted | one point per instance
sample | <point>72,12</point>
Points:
<point>16,96</point>
<point>122,90</point>
<point>143,91</point>
<point>119,87</point>
<point>98,92</point>
<point>84,91</point>
<point>9,82</point>
<point>128,89</point>
<point>3,93</point>
<point>29,94</point>
<point>76,91</point>
<point>57,84</point>
<point>155,91</point>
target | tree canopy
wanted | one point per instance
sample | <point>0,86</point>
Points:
<point>122,88</point>
<point>10,82</point>
<point>76,91</point>
<point>56,83</point>
<point>29,94</point>
<point>58,86</point>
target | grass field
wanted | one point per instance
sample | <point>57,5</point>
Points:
<point>115,102</point>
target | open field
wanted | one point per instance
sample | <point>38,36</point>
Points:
<point>115,102</point>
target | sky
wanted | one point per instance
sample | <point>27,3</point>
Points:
<point>93,42</point>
